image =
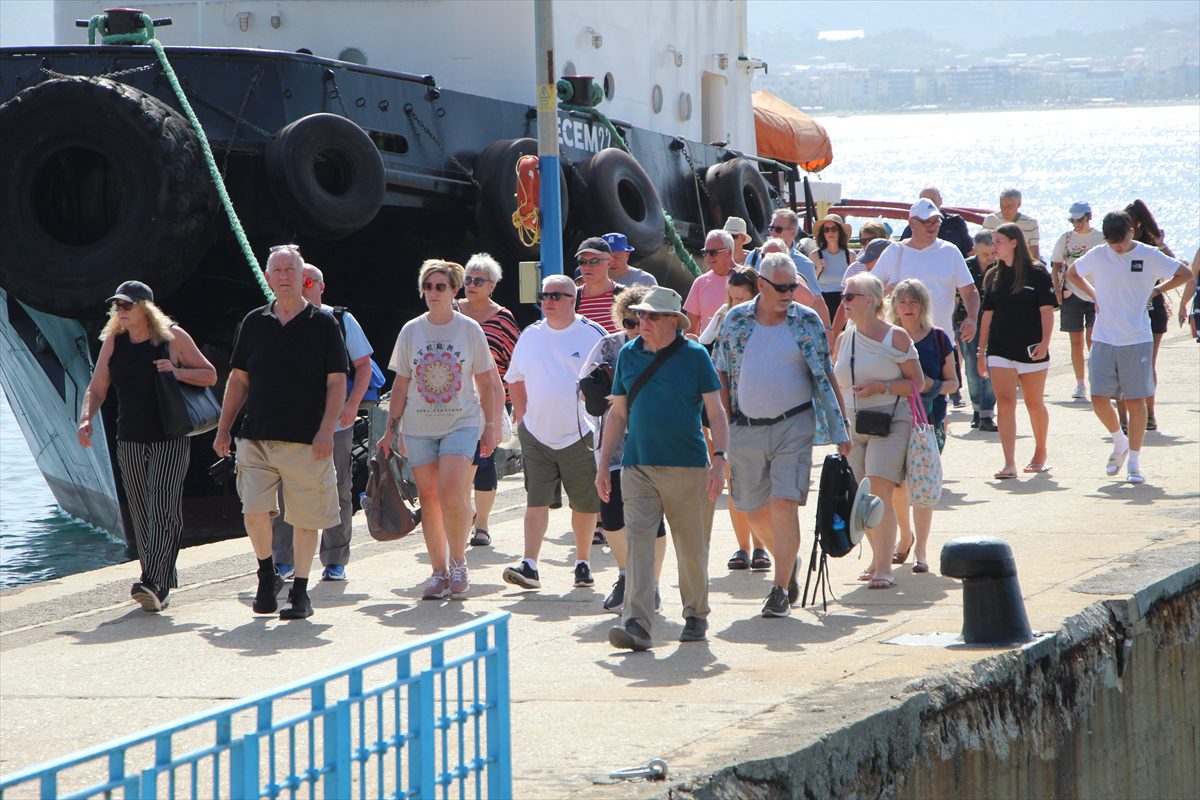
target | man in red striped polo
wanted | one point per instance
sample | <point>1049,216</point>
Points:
<point>596,289</point>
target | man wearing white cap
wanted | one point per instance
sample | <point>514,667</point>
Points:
<point>661,383</point>
<point>937,264</point>
<point>1077,310</point>
<point>619,269</point>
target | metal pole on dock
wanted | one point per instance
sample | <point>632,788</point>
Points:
<point>547,127</point>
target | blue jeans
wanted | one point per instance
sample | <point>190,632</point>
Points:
<point>983,399</point>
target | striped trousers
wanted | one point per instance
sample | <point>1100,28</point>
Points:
<point>153,475</point>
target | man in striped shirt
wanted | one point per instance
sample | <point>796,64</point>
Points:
<point>596,289</point>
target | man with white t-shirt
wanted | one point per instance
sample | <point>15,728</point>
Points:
<point>1077,312</point>
<point>937,264</point>
<point>554,429</point>
<point>1122,278</point>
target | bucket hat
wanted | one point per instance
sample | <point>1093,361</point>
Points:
<point>664,300</point>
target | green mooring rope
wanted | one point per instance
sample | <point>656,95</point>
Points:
<point>672,235</point>
<point>146,36</point>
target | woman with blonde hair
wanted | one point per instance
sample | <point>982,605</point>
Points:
<point>140,341</point>
<point>911,309</point>
<point>446,402</point>
<point>877,369</point>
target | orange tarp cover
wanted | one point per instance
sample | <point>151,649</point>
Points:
<point>788,134</point>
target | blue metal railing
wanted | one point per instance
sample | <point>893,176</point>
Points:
<point>425,720</point>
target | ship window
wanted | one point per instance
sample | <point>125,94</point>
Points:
<point>610,86</point>
<point>390,142</point>
<point>353,55</point>
<point>656,98</point>
<point>569,70</point>
<point>685,106</point>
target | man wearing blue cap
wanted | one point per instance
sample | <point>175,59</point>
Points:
<point>1077,311</point>
<point>619,269</point>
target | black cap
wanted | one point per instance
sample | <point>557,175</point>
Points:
<point>132,292</point>
<point>595,244</point>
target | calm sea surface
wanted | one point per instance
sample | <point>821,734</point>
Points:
<point>1107,157</point>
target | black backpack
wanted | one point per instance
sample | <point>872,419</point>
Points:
<point>834,502</point>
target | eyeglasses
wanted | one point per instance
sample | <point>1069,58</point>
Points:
<point>435,287</point>
<point>555,296</point>
<point>629,324</point>
<point>278,247</point>
<point>932,221</point>
<point>653,316</point>
<point>122,305</point>
<point>476,281</point>
<point>848,296</point>
<point>714,251</point>
<point>829,229</point>
<point>778,229</point>
<point>589,262</point>
<point>311,282</point>
<point>782,288</point>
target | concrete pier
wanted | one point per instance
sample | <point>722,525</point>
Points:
<point>871,698</point>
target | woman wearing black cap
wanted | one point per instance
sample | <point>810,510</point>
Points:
<point>152,466</point>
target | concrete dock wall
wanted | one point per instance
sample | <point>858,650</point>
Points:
<point>1107,707</point>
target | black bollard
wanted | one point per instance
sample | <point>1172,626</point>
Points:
<point>993,610</point>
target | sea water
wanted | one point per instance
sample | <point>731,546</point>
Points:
<point>1105,156</point>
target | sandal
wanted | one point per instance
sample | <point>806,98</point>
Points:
<point>1036,468</point>
<point>740,560</point>
<point>866,575</point>
<point>882,582</point>
<point>481,538</point>
<point>760,561</point>
<point>920,566</point>
<point>1004,475</point>
<point>899,557</point>
<point>1151,423</point>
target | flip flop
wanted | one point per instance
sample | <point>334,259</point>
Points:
<point>760,561</point>
<point>740,560</point>
<point>1036,468</point>
<point>1004,475</point>
<point>882,582</point>
<point>866,575</point>
<point>920,566</point>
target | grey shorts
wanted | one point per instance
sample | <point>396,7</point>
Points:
<point>1122,371</point>
<point>573,467</point>
<point>1076,314</point>
<point>769,461</point>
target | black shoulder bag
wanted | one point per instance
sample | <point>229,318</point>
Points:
<point>869,423</point>
<point>185,409</point>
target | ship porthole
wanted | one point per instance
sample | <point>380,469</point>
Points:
<point>610,86</point>
<point>685,106</point>
<point>656,98</point>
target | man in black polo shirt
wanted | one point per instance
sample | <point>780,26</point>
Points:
<point>289,371</point>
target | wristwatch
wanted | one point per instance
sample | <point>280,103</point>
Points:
<point>720,453</point>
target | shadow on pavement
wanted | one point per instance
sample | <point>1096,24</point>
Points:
<point>682,664</point>
<point>136,624</point>
<point>255,639</point>
<point>791,634</point>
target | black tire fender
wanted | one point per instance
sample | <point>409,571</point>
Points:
<point>327,174</point>
<point>99,183</point>
<point>740,190</point>
<point>496,172</point>
<point>622,198</point>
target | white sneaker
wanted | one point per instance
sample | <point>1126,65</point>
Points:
<point>1080,393</point>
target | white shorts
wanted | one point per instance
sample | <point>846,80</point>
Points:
<point>1020,366</point>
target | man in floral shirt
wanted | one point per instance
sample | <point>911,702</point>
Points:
<point>778,387</point>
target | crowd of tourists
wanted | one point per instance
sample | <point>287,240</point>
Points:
<point>797,343</point>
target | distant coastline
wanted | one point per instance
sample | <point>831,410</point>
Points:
<point>817,112</point>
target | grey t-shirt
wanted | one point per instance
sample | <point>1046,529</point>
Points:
<point>636,277</point>
<point>774,375</point>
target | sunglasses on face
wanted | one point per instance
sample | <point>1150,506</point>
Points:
<point>435,287</point>
<point>555,296</point>
<point>848,296</point>
<point>629,324</point>
<point>653,316</point>
<point>778,229</point>
<point>714,251</point>
<point>782,288</point>
<point>590,262</point>
<point>741,279</point>
<point>828,229</point>
<point>476,281</point>
<point>122,305</point>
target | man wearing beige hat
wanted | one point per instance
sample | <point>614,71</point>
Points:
<point>661,383</point>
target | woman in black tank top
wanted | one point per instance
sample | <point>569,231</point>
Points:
<point>141,341</point>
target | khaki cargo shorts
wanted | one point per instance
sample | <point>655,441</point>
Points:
<point>309,487</point>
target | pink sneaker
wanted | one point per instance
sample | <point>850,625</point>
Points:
<point>437,587</point>
<point>459,585</point>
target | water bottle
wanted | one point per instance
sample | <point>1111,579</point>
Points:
<point>839,524</point>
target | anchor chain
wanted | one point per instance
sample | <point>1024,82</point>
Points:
<point>237,122</point>
<point>411,113</point>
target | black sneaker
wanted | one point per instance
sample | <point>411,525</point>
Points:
<point>694,630</point>
<point>144,595</point>
<point>298,607</point>
<point>777,603</point>
<point>630,637</point>
<point>616,598</point>
<point>583,576</point>
<point>793,590</point>
<point>266,600</point>
<point>974,419</point>
<point>988,425</point>
<point>522,575</point>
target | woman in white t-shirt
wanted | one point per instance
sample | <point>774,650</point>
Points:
<point>833,257</point>
<point>446,400</point>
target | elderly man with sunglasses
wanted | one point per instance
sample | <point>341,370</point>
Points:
<point>661,383</point>
<point>288,370</point>
<point>778,386</point>
<point>554,429</point>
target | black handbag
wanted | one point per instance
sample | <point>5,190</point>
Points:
<point>185,410</point>
<point>869,423</point>
<point>595,387</point>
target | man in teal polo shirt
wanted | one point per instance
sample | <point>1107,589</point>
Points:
<point>665,466</point>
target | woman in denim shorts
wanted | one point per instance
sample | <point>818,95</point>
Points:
<point>446,400</point>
